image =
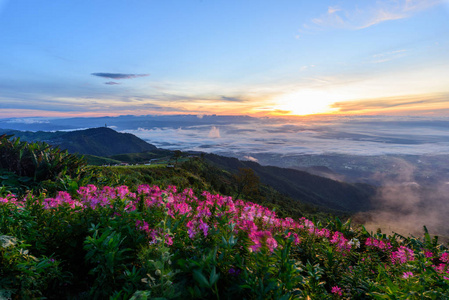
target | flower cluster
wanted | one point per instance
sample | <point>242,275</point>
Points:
<point>402,255</point>
<point>375,243</point>
<point>171,220</point>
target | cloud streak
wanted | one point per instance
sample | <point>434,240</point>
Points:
<point>388,56</point>
<point>119,76</point>
<point>384,103</point>
<point>355,18</point>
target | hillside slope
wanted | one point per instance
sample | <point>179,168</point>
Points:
<point>303,186</point>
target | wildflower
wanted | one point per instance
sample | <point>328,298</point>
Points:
<point>337,290</point>
<point>428,254</point>
<point>341,242</point>
<point>191,228</point>
<point>402,255</point>
<point>144,226</point>
<point>445,257</point>
<point>271,243</point>
<point>374,243</point>
<point>296,240</point>
<point>203,226</point>
<point>407,275</point>
<point>168,240</point>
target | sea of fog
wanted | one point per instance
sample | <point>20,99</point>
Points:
<point>349,135</point>
<point>354,135</point>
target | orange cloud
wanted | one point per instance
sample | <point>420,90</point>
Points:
<point>395,104</point>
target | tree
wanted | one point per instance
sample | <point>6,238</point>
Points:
<point>246,182</point>
<point>177,155</point>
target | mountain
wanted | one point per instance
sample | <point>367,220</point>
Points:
<point>101,141</point>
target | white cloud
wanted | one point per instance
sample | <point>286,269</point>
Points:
<point>214,133</point>
<point>250,158</point>
<point>387,56</point>
<point>379,11</point>
<point>333,9</point>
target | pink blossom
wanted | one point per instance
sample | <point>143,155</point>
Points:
<point>296,240</point>
<point>144,226</point>
<point>337,291</point>
<point>428,254</point>
<point>402,255</point>
<point>374,243</point>
<point>203,226</point>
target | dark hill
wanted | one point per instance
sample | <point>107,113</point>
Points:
<point>304,186</point>
<point>100,141</point>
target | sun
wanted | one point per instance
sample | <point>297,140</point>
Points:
<point>307,102</point>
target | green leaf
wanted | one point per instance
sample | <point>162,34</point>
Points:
<point>213,278</point>
<point>199,277</point>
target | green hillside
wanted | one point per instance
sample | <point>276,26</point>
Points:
<point>303,186</point>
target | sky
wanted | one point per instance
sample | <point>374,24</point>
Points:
<point>257,58</point>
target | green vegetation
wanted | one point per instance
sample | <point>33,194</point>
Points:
<point>100,161</point>
<point>27,165</point>
<point>149,243</point>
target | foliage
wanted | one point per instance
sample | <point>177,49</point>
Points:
<point>153,243</point>
<point>32,163</point>
<point>246,181</point>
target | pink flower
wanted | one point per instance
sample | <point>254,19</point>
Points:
<point>168,240</point>
<point>428,254</point>
<point>191,228</point>
<point>203,226</point>
<point>296,240</point>
<point>271,243</point>
<point>407,275</point>
<point>144,226</point>
<point>402,255</point>
<point>337,291</point>
<point>374,243</point>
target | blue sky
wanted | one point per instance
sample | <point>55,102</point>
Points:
<point>95,58</point>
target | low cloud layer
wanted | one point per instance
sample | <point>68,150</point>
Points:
<point>118,76</point>
<point>350,135</point>
<point>404,207</point>
<point>246,136</point>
